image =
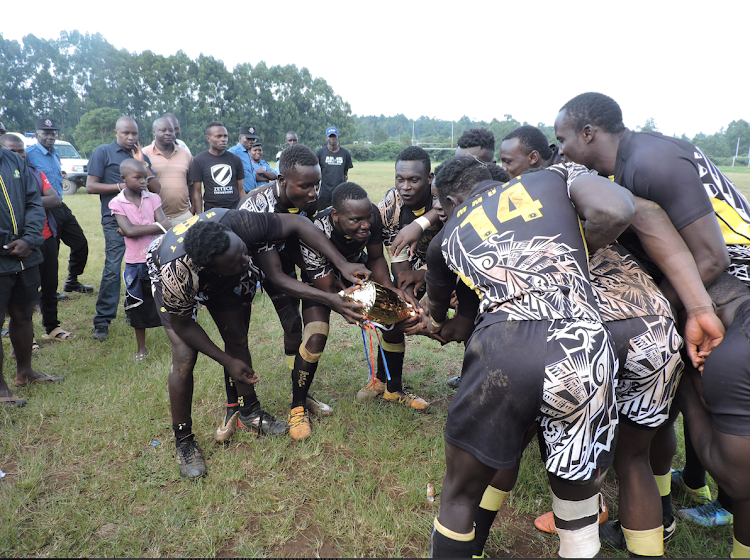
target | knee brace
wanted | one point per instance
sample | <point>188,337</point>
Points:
<point>582,542</point>
<point>315,327</point>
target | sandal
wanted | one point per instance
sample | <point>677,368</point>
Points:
<point>44,379</point>
<point>140,356</point>
<point>59,334</point>
<point>13,400</point>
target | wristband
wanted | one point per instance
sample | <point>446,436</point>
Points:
<point>437,324</point>
<point>161,227</point>
<point>423,222</point>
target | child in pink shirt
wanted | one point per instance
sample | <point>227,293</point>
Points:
<point>141,220</point>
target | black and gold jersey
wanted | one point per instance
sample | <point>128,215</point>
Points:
<point>395,215</point>
<point>353,250</point>
<point>519,245</point>
<point>181,279</point>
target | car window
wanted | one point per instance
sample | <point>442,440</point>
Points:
<point>67,151</point>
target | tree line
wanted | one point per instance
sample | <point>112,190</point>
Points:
<point>84,83</point>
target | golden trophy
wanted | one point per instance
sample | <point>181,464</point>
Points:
<point>382,305</point>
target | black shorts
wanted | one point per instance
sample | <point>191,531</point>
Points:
<point>20,287</point>
<point>557,373</point>
<point>648,349</point>
<point>144,315</point>
<point>233,293</point>
<point>726,377</point>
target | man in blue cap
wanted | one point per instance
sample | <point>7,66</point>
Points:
<point>45,158</point>
<point>335,163</point>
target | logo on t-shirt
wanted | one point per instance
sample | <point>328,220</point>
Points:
<point>222,174</point>
<point>334,160</point>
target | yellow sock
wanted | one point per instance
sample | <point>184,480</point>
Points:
<point>645,543</point>
<point>493,499</point>
<point>740,550</point>
<point>664,482</point>
<point>290,361</point>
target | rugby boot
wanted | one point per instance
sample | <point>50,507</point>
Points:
<point>701,495</point>
<point>228,425</point>
<point>454,382</point>
<point>406,398</point>
<point>299,423</point>
<point>318,408</point>
<point>371,390</point>
<point>711,514</point>
<point>190,459</point>
<point>261,422</point>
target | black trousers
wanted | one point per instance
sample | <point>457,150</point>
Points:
<point>48,271</point>
<point>70,233</point>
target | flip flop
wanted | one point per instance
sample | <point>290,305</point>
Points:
<point>45,379</point>
<point>59,334</point>
<point>13,400</point>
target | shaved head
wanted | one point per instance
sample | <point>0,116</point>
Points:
<point>161,121</point>
<point>130,165</point>
<point>125,121</point>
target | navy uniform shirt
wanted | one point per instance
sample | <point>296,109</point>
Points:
<point>48,162</point>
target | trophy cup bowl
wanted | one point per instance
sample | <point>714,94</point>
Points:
<point>381,305</point>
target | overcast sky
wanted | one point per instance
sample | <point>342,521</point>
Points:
<point>684,64</point>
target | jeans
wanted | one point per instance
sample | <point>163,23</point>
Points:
<point>109,289</point>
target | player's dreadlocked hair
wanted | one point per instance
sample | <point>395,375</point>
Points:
<point>206,240</point>
<point>415,153</point>
<point>498,173</point>
<point>460,175</point>
<point>596,109</point>
<point>477,137</point>
<point>346,191</point>
<point>212,124</point>
<point>294,155</point>
<point>531,138</point>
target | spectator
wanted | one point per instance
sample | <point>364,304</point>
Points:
<point>104,180</point>
<point>44,157</point>
<point>242,151</point>
<point>48,269</point>
<point>335,163</point>
<point>22,222</point>
<point>290,140</point>
<point>176,125</point>
<point>171,165</point>
<point>219,171</point>
<point>262,171</point>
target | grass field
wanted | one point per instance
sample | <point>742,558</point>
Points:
<point>90,468</point>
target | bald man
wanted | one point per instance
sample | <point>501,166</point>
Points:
<point>171,164</point>
<point>104,180</point>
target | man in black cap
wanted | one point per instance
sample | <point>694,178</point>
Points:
<point>335,163</point>
<point>45,158</point>
<point>242,151</point>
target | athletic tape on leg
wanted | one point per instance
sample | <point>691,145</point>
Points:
<point>571,511</point>
<point>395,347</point>
<point>493,499</point>
<point>579,543</point>
<point>740,550</point>
<point>463,537</point>
<point>664,482</point>
<point>313,328</point>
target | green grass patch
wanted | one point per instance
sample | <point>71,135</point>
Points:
<point>83,480</point>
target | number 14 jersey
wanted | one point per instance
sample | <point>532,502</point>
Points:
<point>519,245</point>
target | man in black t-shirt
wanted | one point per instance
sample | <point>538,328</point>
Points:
<point>215,257</point>
<point>335,163</point>
<point>539,353</point>
<point>220,172</point>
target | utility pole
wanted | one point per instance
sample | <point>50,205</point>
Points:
<point>736,151</point>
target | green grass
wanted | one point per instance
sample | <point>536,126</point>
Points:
<point>83,480</point>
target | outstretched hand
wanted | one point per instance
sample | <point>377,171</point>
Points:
<point>351,311</point>
<point>241,372</point>
<point>703,333</point>
<point>354,272</point>
<point>409,236</point>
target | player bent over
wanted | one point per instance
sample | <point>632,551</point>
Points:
<point>208,258</point>
<point>539,353</point>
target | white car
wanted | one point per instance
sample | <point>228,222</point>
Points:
<point>74,167</point>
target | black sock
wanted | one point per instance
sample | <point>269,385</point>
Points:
<point>302,378</point>
<point>395,361</point>
<point>445,547</point>
<point>725,500</point>
<point>231,389</point>
<point>247,403</point>
<point>666,507</point>
<point>693,474</point>
<point>183,432</point>
<point>483,521</point>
